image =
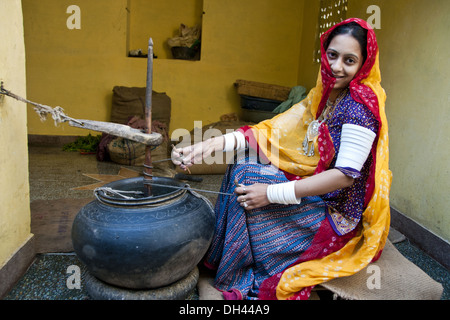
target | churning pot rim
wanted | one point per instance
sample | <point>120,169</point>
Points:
<point>123,194</point>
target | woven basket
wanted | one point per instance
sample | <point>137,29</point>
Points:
<point>262,90</point>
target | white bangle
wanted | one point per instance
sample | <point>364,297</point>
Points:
<point>283,193</point>
<point>356,143</point>
<point>234,141</point>
<point>241,142</point>
<point>229,142</point>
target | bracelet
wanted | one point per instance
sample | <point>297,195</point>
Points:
<point>229,142</point>
<point>234,141</point>
<point>356,143</point>
<point>283,193</point>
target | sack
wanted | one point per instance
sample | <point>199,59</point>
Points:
<point>127,152</point>
<point>130,101</point>
<point>132,153</point>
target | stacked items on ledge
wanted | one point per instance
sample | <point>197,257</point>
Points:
<point>261,101</point>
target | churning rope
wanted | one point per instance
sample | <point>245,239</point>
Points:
<point>42,110</point>
<point>120,193</point>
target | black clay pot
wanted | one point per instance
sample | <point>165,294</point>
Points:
<point>147,242</point>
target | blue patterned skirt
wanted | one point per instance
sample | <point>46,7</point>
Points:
<point>250,246</point>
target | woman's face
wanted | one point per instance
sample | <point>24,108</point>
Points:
<point>345,59</point>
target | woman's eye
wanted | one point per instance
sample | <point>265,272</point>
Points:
<point>331,54</point>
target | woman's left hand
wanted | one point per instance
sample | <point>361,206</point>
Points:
<point>252,196</point>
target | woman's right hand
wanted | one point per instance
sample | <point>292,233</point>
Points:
<point>183,156</point>
<point>190,155</point>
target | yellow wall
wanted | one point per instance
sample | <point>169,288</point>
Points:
<point>415,70</point>
<point>308,69</point>
<point>14,189</point>
<point>256,40</point>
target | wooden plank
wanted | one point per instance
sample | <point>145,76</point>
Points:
<point>119,130</point>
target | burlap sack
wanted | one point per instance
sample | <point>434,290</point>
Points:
<point>130,101</point>
<point>131,153</point>
<point>186,37</point>
<point>127,152</point>
<point>392,277</point>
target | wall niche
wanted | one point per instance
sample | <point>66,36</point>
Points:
<point>161,20</point>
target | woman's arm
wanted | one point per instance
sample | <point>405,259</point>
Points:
<point>187,156</point>
<point>322,183</point>
<point>356,144</point>
<point>255,195</point>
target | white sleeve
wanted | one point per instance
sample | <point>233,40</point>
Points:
<point>234,141</point>
<point>356,143</point>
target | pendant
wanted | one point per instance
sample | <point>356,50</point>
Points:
<point>305,144</point>
<point>311,133</point>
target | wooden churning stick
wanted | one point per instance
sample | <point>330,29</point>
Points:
<point>148,117</point>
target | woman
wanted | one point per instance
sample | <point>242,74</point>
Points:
<point>312,201</point>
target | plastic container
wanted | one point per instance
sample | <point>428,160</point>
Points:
<point>256,115</point>
<point>260,104</point>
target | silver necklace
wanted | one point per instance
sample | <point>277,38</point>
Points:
<point>313,128</point>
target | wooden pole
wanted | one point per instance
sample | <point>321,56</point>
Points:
<point>148,115</point>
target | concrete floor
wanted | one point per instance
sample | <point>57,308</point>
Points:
<point>55,174</point>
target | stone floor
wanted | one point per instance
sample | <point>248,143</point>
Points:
<point>55,174</point>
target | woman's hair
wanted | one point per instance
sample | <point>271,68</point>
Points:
<point>356,31</point>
